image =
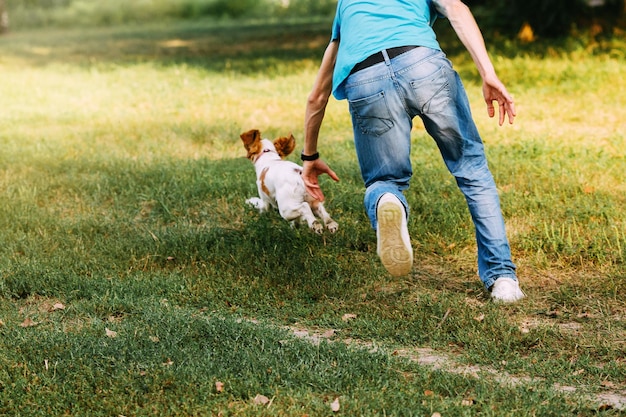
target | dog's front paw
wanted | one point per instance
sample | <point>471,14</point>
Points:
<point>332,226</point>
<point>257,203</point>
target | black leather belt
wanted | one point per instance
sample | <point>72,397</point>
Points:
<point>378,57</point>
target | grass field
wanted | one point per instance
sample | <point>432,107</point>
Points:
<point>135,281</point>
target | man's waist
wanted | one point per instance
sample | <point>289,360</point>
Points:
<point>378,57</point>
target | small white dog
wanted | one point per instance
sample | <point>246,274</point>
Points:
<point>280,184</point>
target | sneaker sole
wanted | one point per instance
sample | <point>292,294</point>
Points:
<point>395,256</point>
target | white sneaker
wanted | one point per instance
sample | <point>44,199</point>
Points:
<point>506,290</point>
<point>394,244</point>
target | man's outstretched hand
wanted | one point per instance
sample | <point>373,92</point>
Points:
<point>311,170</point>
<point>494,90</point>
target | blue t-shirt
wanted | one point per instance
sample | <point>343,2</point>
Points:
<point>364,27</point>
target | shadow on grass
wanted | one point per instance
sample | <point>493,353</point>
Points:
<point>190,217</point>
<point>244,47</point>
<point>128,221</point>
<point>236,47</point>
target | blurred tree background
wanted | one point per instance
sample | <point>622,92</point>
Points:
<point>76,13</point>
<point>550,18</point>
<point>527,19</point>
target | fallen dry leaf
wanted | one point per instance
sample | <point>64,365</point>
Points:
<point>429,393</point>
<point>1,323</point>
<point>219,386</point>
<point>526,326</point>
<point>261,400</point>
<point>58,306</point>
<point>436,415</point>
<point>607,384</point>
<point>468,402</point>
<point>328,334</point>
<point>116,318</point>
<point>110,333</point>
<point>335,405</point>
<point>605,407</point>
<point>480,318</point>
<point>348,317</point>
<point>28,323</point>
<point>168,363</point>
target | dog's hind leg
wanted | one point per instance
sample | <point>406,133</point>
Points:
<point>301,212</point>
<point>320,211</point>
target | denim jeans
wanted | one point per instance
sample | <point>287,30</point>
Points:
<point>383,101</point>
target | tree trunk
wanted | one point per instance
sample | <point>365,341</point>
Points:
<point>4,17</point>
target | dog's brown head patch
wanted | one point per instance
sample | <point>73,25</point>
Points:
<point>285,145</point>
<point>252,142</point>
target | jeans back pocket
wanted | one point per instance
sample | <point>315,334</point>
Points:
<point>371,114</point>
<point>432,93</point>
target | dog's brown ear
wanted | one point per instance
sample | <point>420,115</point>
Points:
<point>252,142</point>
<point>250,137</point>
<point>285,145</point>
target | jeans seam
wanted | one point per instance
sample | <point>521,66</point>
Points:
<point>418,63</point>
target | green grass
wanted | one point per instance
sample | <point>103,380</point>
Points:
<point>122,189</point>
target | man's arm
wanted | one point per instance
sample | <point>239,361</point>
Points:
<point>467,30</point>
<point>313,117</point>
<point>318,99</point>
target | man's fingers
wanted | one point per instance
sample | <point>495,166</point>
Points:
<point>316,193</point>
<point>332,175</point>
<point>506,109</point>
<point>511,112</point>
<point>311,185</point>
<point>502,114</point>
<point>314,189</point>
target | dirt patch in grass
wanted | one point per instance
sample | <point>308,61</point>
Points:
<point>613,398</point>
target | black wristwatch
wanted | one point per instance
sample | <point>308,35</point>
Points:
<point>313,157</point>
